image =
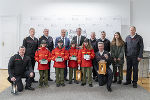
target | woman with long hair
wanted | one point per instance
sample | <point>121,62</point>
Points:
<point>117,54</point>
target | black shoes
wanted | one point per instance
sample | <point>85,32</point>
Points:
<point>134,85</point>
<point>49,79</point>
<point>66,79</point>
<point>29,88</point>
<point>76,82</point>
<point>126,83</point>
<point>83,84</point>
<point>119,82</point>
<point>63,85</point>
<point>57,85</point>
<point>90,85</point>
<point>109,89</point>
<point>114,81</point>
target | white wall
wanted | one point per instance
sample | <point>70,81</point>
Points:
<point>140,17</point>
<point>23,8</point>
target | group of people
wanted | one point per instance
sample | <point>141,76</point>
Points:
<point>81,54</point>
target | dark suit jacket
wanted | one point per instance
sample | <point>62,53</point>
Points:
<point>81,40</point>
<point>67,42</point>
<point>31,46</point>
<point>50,44</point>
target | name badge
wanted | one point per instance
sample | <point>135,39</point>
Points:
<point>73,58</point>
<point>59,59</point>
<point>44,61</point>
<point>86,57</point>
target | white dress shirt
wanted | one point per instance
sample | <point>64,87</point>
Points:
<point>63,41</point>
<point>32,37</point>
<point>21,56</point>
<point>133,36</point>
<point>101,53</point>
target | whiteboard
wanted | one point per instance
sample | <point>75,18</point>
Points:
<point>55,23</point>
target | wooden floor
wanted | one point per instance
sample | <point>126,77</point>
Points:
<point>3,80</point>
<point>5,84</point>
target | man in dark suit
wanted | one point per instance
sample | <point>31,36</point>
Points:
<point>50,46</point>
<point>66,41</point>
<point>103,55</point>
<point>19,67</point>
<point>31,45</point>
<point>66,44</point>
<point>93,42</point>
<point>79,39</point>
<point>105,41</point>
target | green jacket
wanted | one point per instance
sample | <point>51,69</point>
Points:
<point>117,52</point>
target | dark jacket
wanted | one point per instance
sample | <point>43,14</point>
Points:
<point>49,40</point>
<point>117,52</point>
<point>67,42</point>
<point>17,66</point>
<point>134,46</point>
<point>31,46</point>
<point>99,57</point>
<point>94,44</point>
<point>81,40</point>
<point>106,44</point>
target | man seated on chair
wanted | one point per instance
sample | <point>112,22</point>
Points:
<point>104,56</point>
<point>19,67</point>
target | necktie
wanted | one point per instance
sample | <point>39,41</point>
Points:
<point>63,42</point>
<point>78,41</point>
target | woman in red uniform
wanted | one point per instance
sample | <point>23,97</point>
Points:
<point>85,56</point>
<point>43,56</point>
<point>72,64</point>
<point>59,55</point>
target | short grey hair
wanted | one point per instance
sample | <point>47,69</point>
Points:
<point>133,27</point>
<point>100,43</point>
<point>79,29</point>
<point>21,47</point>
<point>31,29</point>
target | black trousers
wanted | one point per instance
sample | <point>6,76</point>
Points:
<point>103,79</point>
<point>94,66</point>
<point>33,62</point>
<point>65,70</point>
<point>132,62</point>
<point>49,69</point>
<point>19,83</point>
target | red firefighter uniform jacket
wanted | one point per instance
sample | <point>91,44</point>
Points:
<point>42,53</point>
<point>83,62</point>
<point>73,52</point>
<point>57,52</point>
